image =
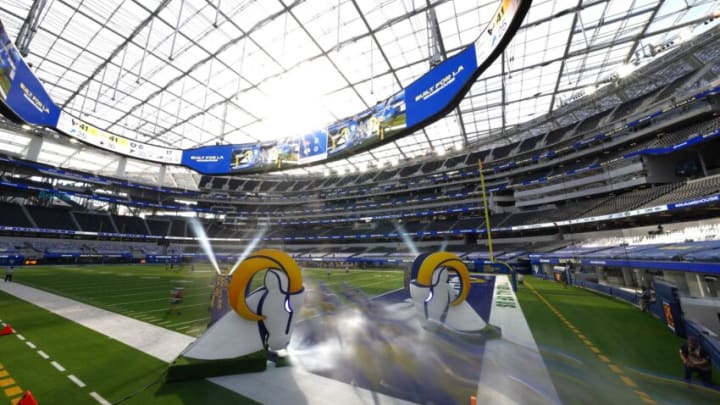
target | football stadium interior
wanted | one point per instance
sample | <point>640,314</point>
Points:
<point>355,201</point>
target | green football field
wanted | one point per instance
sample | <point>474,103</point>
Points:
<point>640,353</point>
<point>117,372</point>
<point>637,344</point>
<point>143,291</point>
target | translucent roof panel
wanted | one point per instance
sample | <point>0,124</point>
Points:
<point>187,73</point>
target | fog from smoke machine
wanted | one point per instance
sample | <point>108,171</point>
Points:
<point>249,248</point>
<point>202,238</point>
<point>407,239</point>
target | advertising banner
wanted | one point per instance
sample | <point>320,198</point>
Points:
<point>422,102</point>
<point>222,159</point>
<point>20,90</point>
<point>382,122</point>
<point>81,130</point>
<point>313,147</point>
<point>218,159</point>
<point>438,88</point>
<point>496,30</point>
<point>668,316</point>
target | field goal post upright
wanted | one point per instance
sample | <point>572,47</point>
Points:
<point>488,231</point>
<point>487,211</point>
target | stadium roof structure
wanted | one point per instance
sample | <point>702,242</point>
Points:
<point>185,73</point>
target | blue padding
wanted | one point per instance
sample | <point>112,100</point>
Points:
<point>620,251</point>
<point>612,291</point>
<point>674,251</point>
<point>694,267</point>
<point>709,255</point>
<point>710,344</point>
<point>573,251</point>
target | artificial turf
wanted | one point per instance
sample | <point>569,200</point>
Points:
<point>114,370</point>
<point>142,291</point>
<point>637,343</point>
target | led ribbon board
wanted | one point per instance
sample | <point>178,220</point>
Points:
<point>21,93</point>
<point>421,103</point>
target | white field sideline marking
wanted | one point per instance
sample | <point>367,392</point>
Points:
<point>100,399</point>
<point>62,369</point>
<point>76,381</point>
<point>21,337</point>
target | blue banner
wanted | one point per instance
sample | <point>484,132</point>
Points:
<point>424,101</point>
<point>439,88</point>
<point>313,146</point>
<point>208,159</point>
<point>20,90</point>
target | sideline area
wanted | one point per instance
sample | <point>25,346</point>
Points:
<point>513,370</point>
<point>602,350</point>
<point>158,342</point>
<point>300,385</point>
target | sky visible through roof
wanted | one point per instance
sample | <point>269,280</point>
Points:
<point>185,73</point>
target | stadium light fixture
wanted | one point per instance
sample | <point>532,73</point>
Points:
<point>73,140</point>
<point>625,70</point>
<point>458,146</point>
<point>26,127</point>
<point>440,151</point>
<point>685,35</point>
<point>590,90</point>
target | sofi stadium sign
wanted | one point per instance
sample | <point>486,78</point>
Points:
<point>427,99</point>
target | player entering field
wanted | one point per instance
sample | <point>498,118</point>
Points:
<point>176,297</point>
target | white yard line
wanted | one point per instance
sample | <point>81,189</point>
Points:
<point>21,337</point>
<point>175,325</point>
<point>100,399</point>
<point>76,381</point>
<point>72,377</point>
<point>181,307</point>
<point>164,298</point>
<point>154,340</point>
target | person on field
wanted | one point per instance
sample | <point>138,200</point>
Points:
<point>8,273</point>
<point>645,299</point>
<point>696,360</point>
<point>176,297</point>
